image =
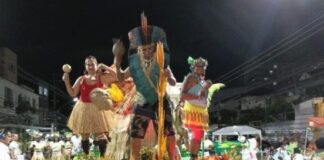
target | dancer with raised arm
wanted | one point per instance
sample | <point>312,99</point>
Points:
<point>87,118</point>
<point>145,71</point>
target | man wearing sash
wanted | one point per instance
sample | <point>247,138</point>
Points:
<point>144,70</point>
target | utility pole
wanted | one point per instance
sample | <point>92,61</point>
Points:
<point>218,115</point>
<point>54,102</point>
<point>265,109</point>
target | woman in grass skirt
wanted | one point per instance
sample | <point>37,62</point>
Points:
<point>194,94</point>
<point>86,118</point>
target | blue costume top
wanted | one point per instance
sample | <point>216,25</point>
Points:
<point>146,81</point>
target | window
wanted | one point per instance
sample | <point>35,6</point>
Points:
<point>11,68</point>
<point>34,103</point>
<point>8,99</point>
<point>40,90</point>
<point>45,91</point>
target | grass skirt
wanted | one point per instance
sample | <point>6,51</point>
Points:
<point>67,154</point>
<point>118,148</point>
<point>195,116</point>
<point>86,118</point>
<point>57,157</point>
<point>38,156</point>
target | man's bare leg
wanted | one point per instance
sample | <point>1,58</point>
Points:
<point>171,143</point>
<point>136,147</point>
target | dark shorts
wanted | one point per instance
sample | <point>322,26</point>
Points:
<point>145,113</point>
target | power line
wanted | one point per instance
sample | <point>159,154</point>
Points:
<point>263,54</point>
<point>274,56</point>
<point>280,53</point>
<point>304,84</point>
<point>299,70</point>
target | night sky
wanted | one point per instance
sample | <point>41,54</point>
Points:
<point>45,34</point>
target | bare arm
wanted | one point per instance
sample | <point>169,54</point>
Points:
<point>103,68</point>
<point>169,75</point>
<point>118,51</point>
<point>112,73</point>
<point>73,91</point>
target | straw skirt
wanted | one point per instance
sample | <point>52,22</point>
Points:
<point>38,156</point>
<point>86,118</point>
<point>195,116</point>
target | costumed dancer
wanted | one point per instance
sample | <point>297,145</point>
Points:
<point>37,146</point>
<point>56,147</point>
<point>195,94</point>
<point>145,71</point>
<point>14,147</point>
<point>76,144</point>
<point>121,93</point>
<point>182,132</point>
<point>67,151</point>
<point>86,118</point>
<point>310,150</point>
<point>118,147</point>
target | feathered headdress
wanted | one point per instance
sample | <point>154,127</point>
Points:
<point>146,34</point>
<point>197,62</point>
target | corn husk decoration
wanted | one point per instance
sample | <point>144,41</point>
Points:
<point>161,92</point>
<point>116,94</point>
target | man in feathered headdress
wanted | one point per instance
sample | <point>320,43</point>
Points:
<point>145,71</point>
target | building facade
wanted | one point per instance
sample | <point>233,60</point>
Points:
<point>19,103</point>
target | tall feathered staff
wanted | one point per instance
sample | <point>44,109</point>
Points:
<point>161,92</point>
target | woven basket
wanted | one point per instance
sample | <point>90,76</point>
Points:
<point>101,99</point>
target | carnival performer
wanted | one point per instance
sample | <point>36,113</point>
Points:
<point>5,138</point>
<point>56,147</point>
<point>182,132</point>
<point>145,71</point>
<point>310,150</point>
<point>76,144</point>
<point>37,146</point>
<point>86,118</point>
<point>14,147</point>
<point>195,94</point>
<point>118,147</point>
<point>121,93</point>
<point>67,151</point>
<point>319,155</point>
